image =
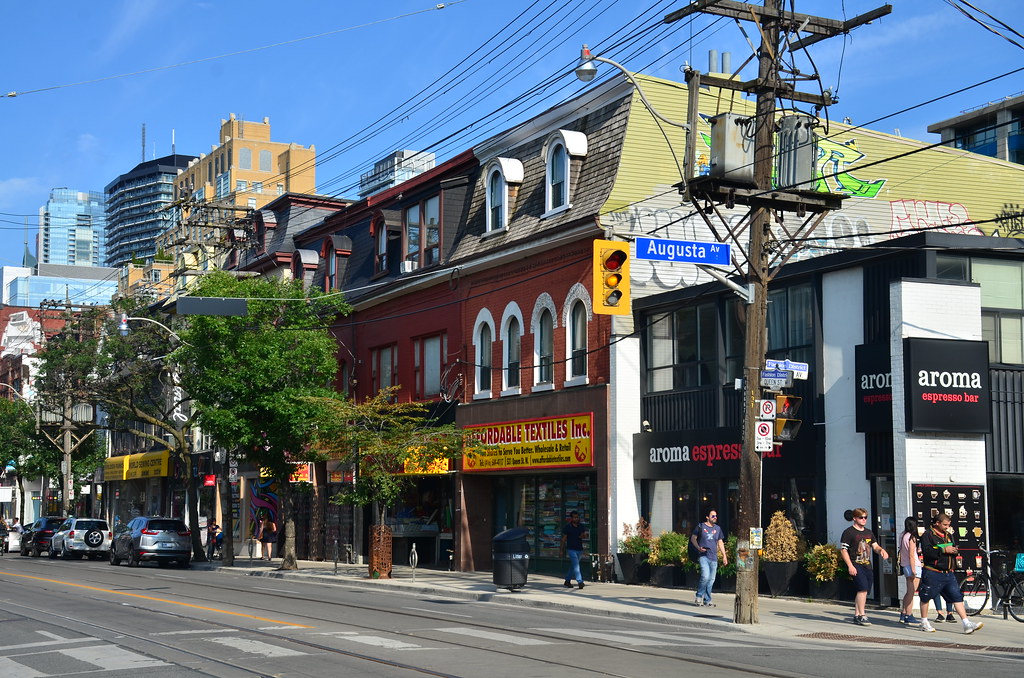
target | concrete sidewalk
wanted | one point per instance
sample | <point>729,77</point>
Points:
<point>778,617</point>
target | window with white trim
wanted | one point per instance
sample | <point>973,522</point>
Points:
<point>545,348</point>
<point>577,341</point>
<point>422,224</point>
<point>484,351</point>
<point>380,238</point>
<point>556,192</point>
<point>496,195</point>
<point>513,356</point>
<point>384,367</point>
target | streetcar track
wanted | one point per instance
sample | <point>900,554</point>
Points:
<point>300,598</point>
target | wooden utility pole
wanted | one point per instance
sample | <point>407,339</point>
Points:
<point>765,203</point>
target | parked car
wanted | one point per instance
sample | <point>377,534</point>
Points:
<point>37,537</point>
<point>152,539</point>
<point>77,537</point>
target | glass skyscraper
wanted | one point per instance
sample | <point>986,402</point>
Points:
<point>72,228</point>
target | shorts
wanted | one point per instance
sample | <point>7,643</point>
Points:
<point>940,584</point>
<point>907,572</point>
<point>865,577</point>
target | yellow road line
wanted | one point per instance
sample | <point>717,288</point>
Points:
<point>159,600</point>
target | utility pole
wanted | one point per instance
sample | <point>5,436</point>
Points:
<point>764,254</point>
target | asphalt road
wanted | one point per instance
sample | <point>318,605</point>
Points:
<point>68,618</point>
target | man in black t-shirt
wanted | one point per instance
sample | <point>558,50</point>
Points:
<point>855,548</point>
<point>573,535</point>
<point>939,553</point>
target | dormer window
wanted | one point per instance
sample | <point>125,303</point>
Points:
<point>423,232</point>
<point>380,240</point>
<point>561,148</point>
<point>504,175</point>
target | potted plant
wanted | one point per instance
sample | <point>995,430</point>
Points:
<point>634,548</point>
<point>667,558</point>
<point>823,565</point>
<point>781,554</point>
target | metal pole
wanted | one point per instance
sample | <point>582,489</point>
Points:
<point>68,445</point>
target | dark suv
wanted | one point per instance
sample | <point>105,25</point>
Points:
<point>151,539</point>
<point>38,536</point>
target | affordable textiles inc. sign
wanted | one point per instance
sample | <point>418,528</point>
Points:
<point>947,386</point>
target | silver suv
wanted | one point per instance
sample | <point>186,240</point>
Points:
<point>77,537</point>
<point>150,539</point>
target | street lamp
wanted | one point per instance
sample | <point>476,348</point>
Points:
<point>587,71</point>
<point>123,327</point>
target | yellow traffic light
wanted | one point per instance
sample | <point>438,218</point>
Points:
<point>611,277</point>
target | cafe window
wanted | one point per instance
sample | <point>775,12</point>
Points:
<point>682,349</point>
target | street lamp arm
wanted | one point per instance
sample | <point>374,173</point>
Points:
<point>14,391</point>
<point>586,72</point>
<point>124,327</point>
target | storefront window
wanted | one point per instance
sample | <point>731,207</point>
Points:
<point>1006,513</point>
<point>543,504</point>
<point>797,498</point>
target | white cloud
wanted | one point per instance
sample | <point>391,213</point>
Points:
<point>14,190</point>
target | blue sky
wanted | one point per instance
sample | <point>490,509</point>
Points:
<point>358,80</point>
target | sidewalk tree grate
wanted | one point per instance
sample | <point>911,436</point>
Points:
<point>916,643</point>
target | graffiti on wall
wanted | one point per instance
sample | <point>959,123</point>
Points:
<point>930,215</point>
<point>1009,221</point>
<point>264,501</point>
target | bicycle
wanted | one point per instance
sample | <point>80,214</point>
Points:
<point>1007,590</point>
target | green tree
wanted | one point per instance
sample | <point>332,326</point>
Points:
<point>132,375</point>
<point>21,447</point>
<point>385,441</point>
<point>251,377</point>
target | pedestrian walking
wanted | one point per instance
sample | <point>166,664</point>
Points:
<point>855,547</point>
<point>573,535</point>
<point>267,536</point>
<point>709,540</point>
<point>939,552</point>
<point>910,564</point>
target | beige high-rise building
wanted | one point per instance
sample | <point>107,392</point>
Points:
<point>219,190</point>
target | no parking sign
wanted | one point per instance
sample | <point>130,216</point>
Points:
<point>763,436</point>
<point>765,409</point>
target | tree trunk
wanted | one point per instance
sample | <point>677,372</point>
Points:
<point>192,508</point>
<point>21,499</point>
<point>318,527</point>
<point>287,549</point>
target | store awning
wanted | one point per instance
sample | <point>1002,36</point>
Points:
<point>135,466</point>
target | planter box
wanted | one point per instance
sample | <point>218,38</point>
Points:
<point>634,567</point>
<point>824,590</point>
<point>664,575</point>
<point>779,576</point>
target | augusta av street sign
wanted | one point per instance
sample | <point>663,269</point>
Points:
<point>683,251</point>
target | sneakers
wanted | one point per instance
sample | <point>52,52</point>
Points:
<point>861,620</point>
<point>951,619</point>
<point>708,603</point>
<point>581,584</point>
<point>903,618</point>
<point>970,627</point>
<point>699,602</point>
<point>927,627</point>
<point>940,619</point>
<point>567,584</point>
<point>909,620</point>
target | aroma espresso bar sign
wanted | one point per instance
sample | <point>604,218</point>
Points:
<point>873,388</point>
<point>947,386</point>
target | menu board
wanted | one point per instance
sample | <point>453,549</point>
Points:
<point>966,506</point>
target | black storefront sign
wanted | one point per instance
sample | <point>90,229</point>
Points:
<point>703,453</point>
<point>873,388</point>
<point>947,386</point>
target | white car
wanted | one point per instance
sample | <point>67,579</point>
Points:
<point>77,537</point>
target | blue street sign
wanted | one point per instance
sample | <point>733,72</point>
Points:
<point>683,251</point>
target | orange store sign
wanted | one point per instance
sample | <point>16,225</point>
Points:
<point>552,442</point>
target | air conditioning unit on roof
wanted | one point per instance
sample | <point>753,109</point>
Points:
<point>408,266</point>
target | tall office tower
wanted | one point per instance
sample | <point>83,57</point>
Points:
<point>136,213</point>
<point>72,228</point>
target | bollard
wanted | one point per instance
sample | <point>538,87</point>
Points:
<point>336,557</point>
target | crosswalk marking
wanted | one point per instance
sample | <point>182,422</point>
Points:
<point>9,667</point>
<point>491,635</point>
<point>50,643</point>
<point>612,637</point>
<point>259,647</point>
<point>380,641</point>
<point>111,657</point>
<point>190,632</point>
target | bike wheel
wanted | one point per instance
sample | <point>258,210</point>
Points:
<point>1015,599</point>
<point>976,589</point>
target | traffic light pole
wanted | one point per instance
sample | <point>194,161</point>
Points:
<point>762,201</point>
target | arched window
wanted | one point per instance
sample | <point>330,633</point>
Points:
<point>483,360</point>
<point>496,193</point>
<point>577,341</point>
<point>513,358</point>
<point>558,175</point>
<point>545,348</point>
